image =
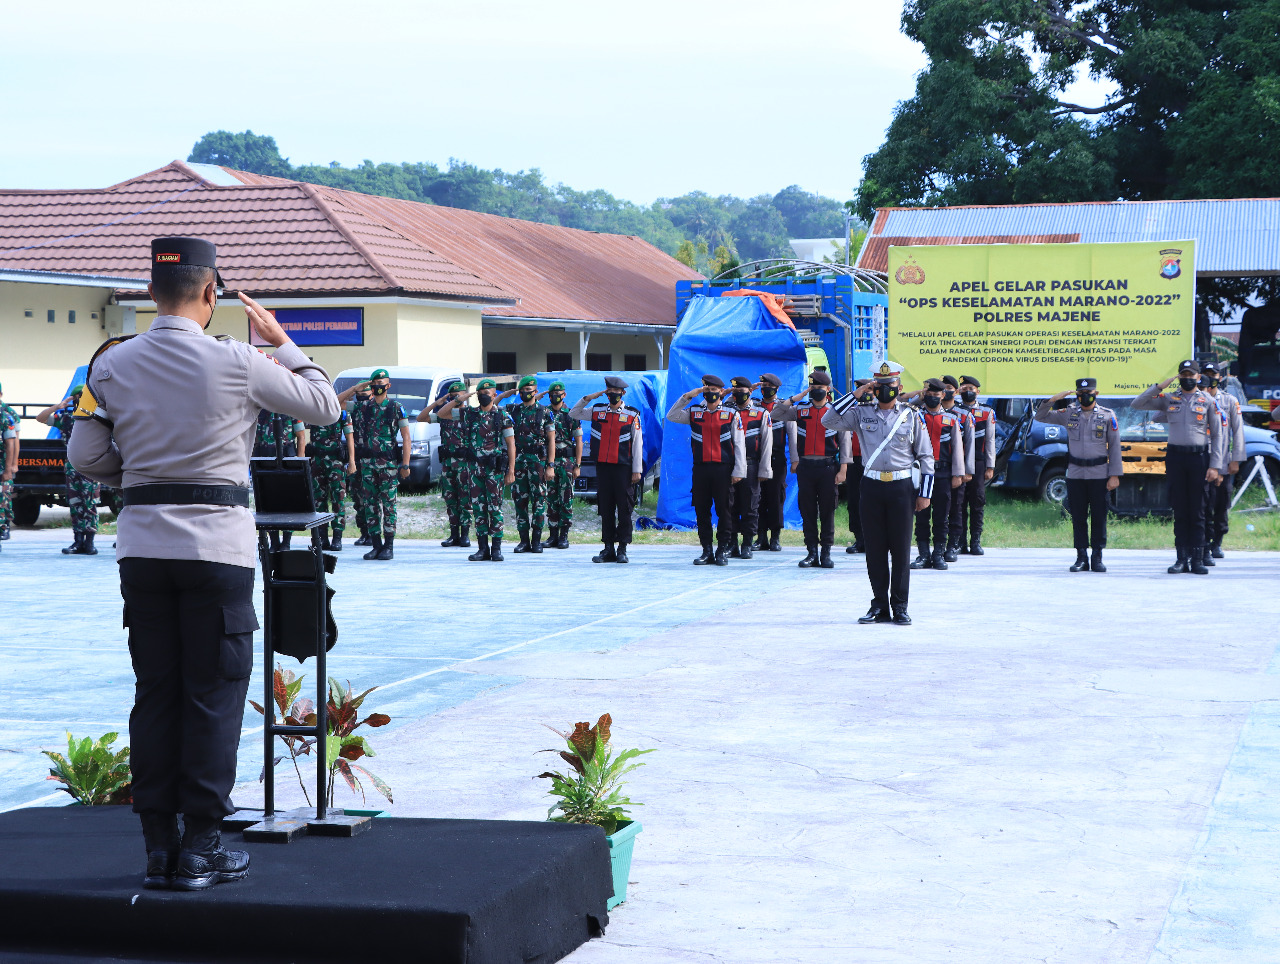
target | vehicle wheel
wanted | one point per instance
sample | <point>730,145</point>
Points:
<point>25,511</point>
<point>1053,486</point>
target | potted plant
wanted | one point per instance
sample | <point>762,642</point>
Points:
<point>592,793</point>
<point>92,771</point>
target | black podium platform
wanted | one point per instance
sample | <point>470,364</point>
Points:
<point>473,891</point>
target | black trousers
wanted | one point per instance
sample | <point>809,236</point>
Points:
<point>773,495</point>
<point>744,502</point>
<point>191,640</point>
<point>938,515</point>
<point>711,488</point>
<point>1185,472</point>
<point>816,494</point>
<point>615,500</point>
<point>852,493</point>
<point>1087,503</point>
<point>1217,500</point>
<point>887,508</point>
<point>969,507</point>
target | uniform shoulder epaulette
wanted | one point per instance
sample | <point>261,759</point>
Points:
<point>88,406</point>
<point>223,338</point>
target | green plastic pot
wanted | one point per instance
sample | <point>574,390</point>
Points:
<point>621,843</point>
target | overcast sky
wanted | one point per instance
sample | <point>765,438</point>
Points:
<point>644,100</point>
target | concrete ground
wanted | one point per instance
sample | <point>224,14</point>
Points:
<point>1044,767</point>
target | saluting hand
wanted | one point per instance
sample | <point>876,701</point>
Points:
<point>507,394</point>
<point>263,323</point>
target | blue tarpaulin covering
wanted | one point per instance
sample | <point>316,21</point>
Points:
<point>725,337</point>
<point>645,394</point>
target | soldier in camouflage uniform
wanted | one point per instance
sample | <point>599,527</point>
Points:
<point>333,461</point>
<point>491,439</point>
<point>264,441</point>
<point>565,468</point>
<point>360,396</point>
<point>82,493</point>
<point>535,443</point>
<point>384,461</point>
<point>9,420</point>
<point>455,479</point>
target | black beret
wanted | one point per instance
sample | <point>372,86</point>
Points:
<point>193,251</point>
<point>713,381</point>
<point>950,380</point>
<point>613,381</point>
<point>1190,365</point>
<point>1086,384</point>
<point>933,385</point>
<point>738,381</point>
<point>770,379</point>
<point>970,380</point>
<point>820,378</point>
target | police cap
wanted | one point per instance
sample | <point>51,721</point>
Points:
<point>950,380</point>
<point>887,372</point>
<point>614,382</point>
<point>1209,368</point>
<point>192,251</point>
<point>739,381</point>
<point>1086,384</point>
<point>768,378</point>
<point>934,385</point>
<point>970,380</point>
<point>820,378</point>
<point>1189,365</point>
<point>713,381</point>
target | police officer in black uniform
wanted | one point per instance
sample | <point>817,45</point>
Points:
<point>773,490</point>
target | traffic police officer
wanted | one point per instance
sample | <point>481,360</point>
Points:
<point>617,448</point>
<point>455,481</point>
<point>1218,494</point>
<point>893,437</point>
<point>535,447</point>
<point>973,497</point>
<point>1195,454</point>
<point>9,420</point>
<point>773,490</point>
<point>1094,466</point>
<point>819,456</point>
<point>186,543</point>
<point>757,436</point>
<point>951,388</point>
<point>82,492</point>
<point>853,484</point>
<point>719,462</point>
<point>566,466</point>
<point>949,468</point>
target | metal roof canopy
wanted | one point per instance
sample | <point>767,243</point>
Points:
<point>68,278</point>
<point>1235,237</point>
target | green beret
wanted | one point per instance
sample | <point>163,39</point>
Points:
<point>486,383</point>
<point>528,380</point>
<point>77,390</point>
<point>458,387</point>
<point>557,387</point>
<point>379,373</point>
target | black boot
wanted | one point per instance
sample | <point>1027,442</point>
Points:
<point>453,539</point>
<point>952,553</point>
<point>762,543</point>
<point>482,553</point>
<point>746,548</point>
<point>1206,556</point>
<point>562,541</point>
<point>203,861</point>
<point>1181,565</point>
<point>622,553</point>
<point>923,560</point>
<point>938,561</point>
<point>74,548</point>
<point>975,547</point>
<point>535,541</point>
<point>4,533</point>
<point>85,544</point>
<point>1095,563</point>
<point>1082,562</point>
<point>707,556</point>
<point>495,549</point>
<point>774,545</point>
<point>523,544</point>
<point>1215,548</point>
<point>324,540</point>
<point>734,551</point>
<point>721,557</point>
<point>376,542</point>
<point>364,539</point>
<point>824,558</point>
<point>1196,560</point>
<point>388,547</point>
<point>553,538</point>
<point>163,841</point>
<point>335,544</point>
<point>606,554</point>
<point>464,537</point>
<point>853,548</point>
<point>810,560</point>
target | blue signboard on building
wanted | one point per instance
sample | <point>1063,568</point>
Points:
<point>321,326</point>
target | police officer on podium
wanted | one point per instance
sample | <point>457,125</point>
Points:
<point>186,543</point>
<point>893,437</point>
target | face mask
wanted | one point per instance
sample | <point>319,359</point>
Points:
<point>886,393</point>
<point>484,397</point>
<point>1188,384</point>
<point>1212,383</point>
<point>362,396</point>
<point>379,389</point>
<point>968,397</point>
<point>614,397</point>
<point>711,396</point>
<point>932,401</point>
<point>768,392</point>
<point>556,397</point>
<point>741,396</point>
<point>816,395</point>
<point>1086,398</point>
<point>949,394</point>
<point>527,396</point>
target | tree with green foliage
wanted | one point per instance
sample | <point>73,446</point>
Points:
<point>246,151</point>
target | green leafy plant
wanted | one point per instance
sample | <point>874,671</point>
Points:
<point>342,748</point>
<point>93,772</point>
<point>592,793</point>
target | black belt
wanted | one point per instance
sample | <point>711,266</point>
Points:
<point>185,494</point>
<point>1100,460</point>
<point>1187,449</point>
<point>819,459</point>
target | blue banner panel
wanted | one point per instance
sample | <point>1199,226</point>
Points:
<point>321,326</point>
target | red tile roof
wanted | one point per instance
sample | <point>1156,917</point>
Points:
<point>277,238</point>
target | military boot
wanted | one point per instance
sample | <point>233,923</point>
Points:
<point>364,539</point>
<point>376,542</point>
<point>1082,562</point>
<point>163,842</point>
<point>975,547</point>
<point>562,541</point>
<point>453,539</point>
<point>388,547</point>
<point>464,537</point>
<point>707,556</point>
<point>774,545</point>
<point>553,537</point>
<point>746,548</point>
<point>824,558</point>
<point>1195,560</point>
<point>4,534</point>
<point>1206,556</point>
<point>734,551</point>
<point>523,544</point>
<point>495,549</point>
<point>923,559</point>
<point>74,548</point>
<point>324,539</point>
<point>606,554</point>
<point>86,544</point>
<point>335,544</point>
<point>482,553</point>
<point>1181,565</point>
<point>762,542</point>
<point>939,561</point>
<point>1215,548</point>
<point>203,861</point>
<point>952,553</point>
<point>721,558</point>
<point>1095,563</point>
<point>811,560</point>
<point>622,554</point>
<point>535,541</point>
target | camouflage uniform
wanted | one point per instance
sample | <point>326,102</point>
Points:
<point>560,489</point>
<point>380,464</point>
<point>486,434</point>
<point>264,441</point>
<point>355,489</point>
<point>529,490</point>
<point>328,450</point>
<point>9,420</point>
<point>455,478</point>
<point>82,493</point>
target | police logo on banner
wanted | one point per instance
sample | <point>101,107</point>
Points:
<point>1170,263</point>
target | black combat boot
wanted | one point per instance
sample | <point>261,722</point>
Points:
<point>810,560</point>
<point>622,553</point>
<point>975,547</point>
<point>163,841</point>
<point>74,548</point>
<point>721,558</point>
<point>923,560</point>
<point>762,542</point>
<point>453,539</point>
<point>523,544</point>
<point>1095,563</point>
<point>562,541</point>
<point>4,533</point>
<point>86,544</point>
<point>388,547</point>
<point>707,556</point>
<point>1181,565</point>
<point>1215,548</point>
<point>824,558</point>
<point>495,549</point>
<point>1206,556</point>
<point>746,548</point>
<point>952,553</point>
<point>535,541</point>
<point>464,537</point>
<point>203,861</point>
<point>774,544</point>
<point>1082,562</point>
<point>1196,560</point>
<point>735,552</point>
<point>324,539</point>
<point>482,553</point>
<point>606,554</point>
<point>335,544</point>
<point>553,537</point>
<point>938,561</point>
<point>853,548</point>
<point>364,539</point>
<point>376,542</point>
